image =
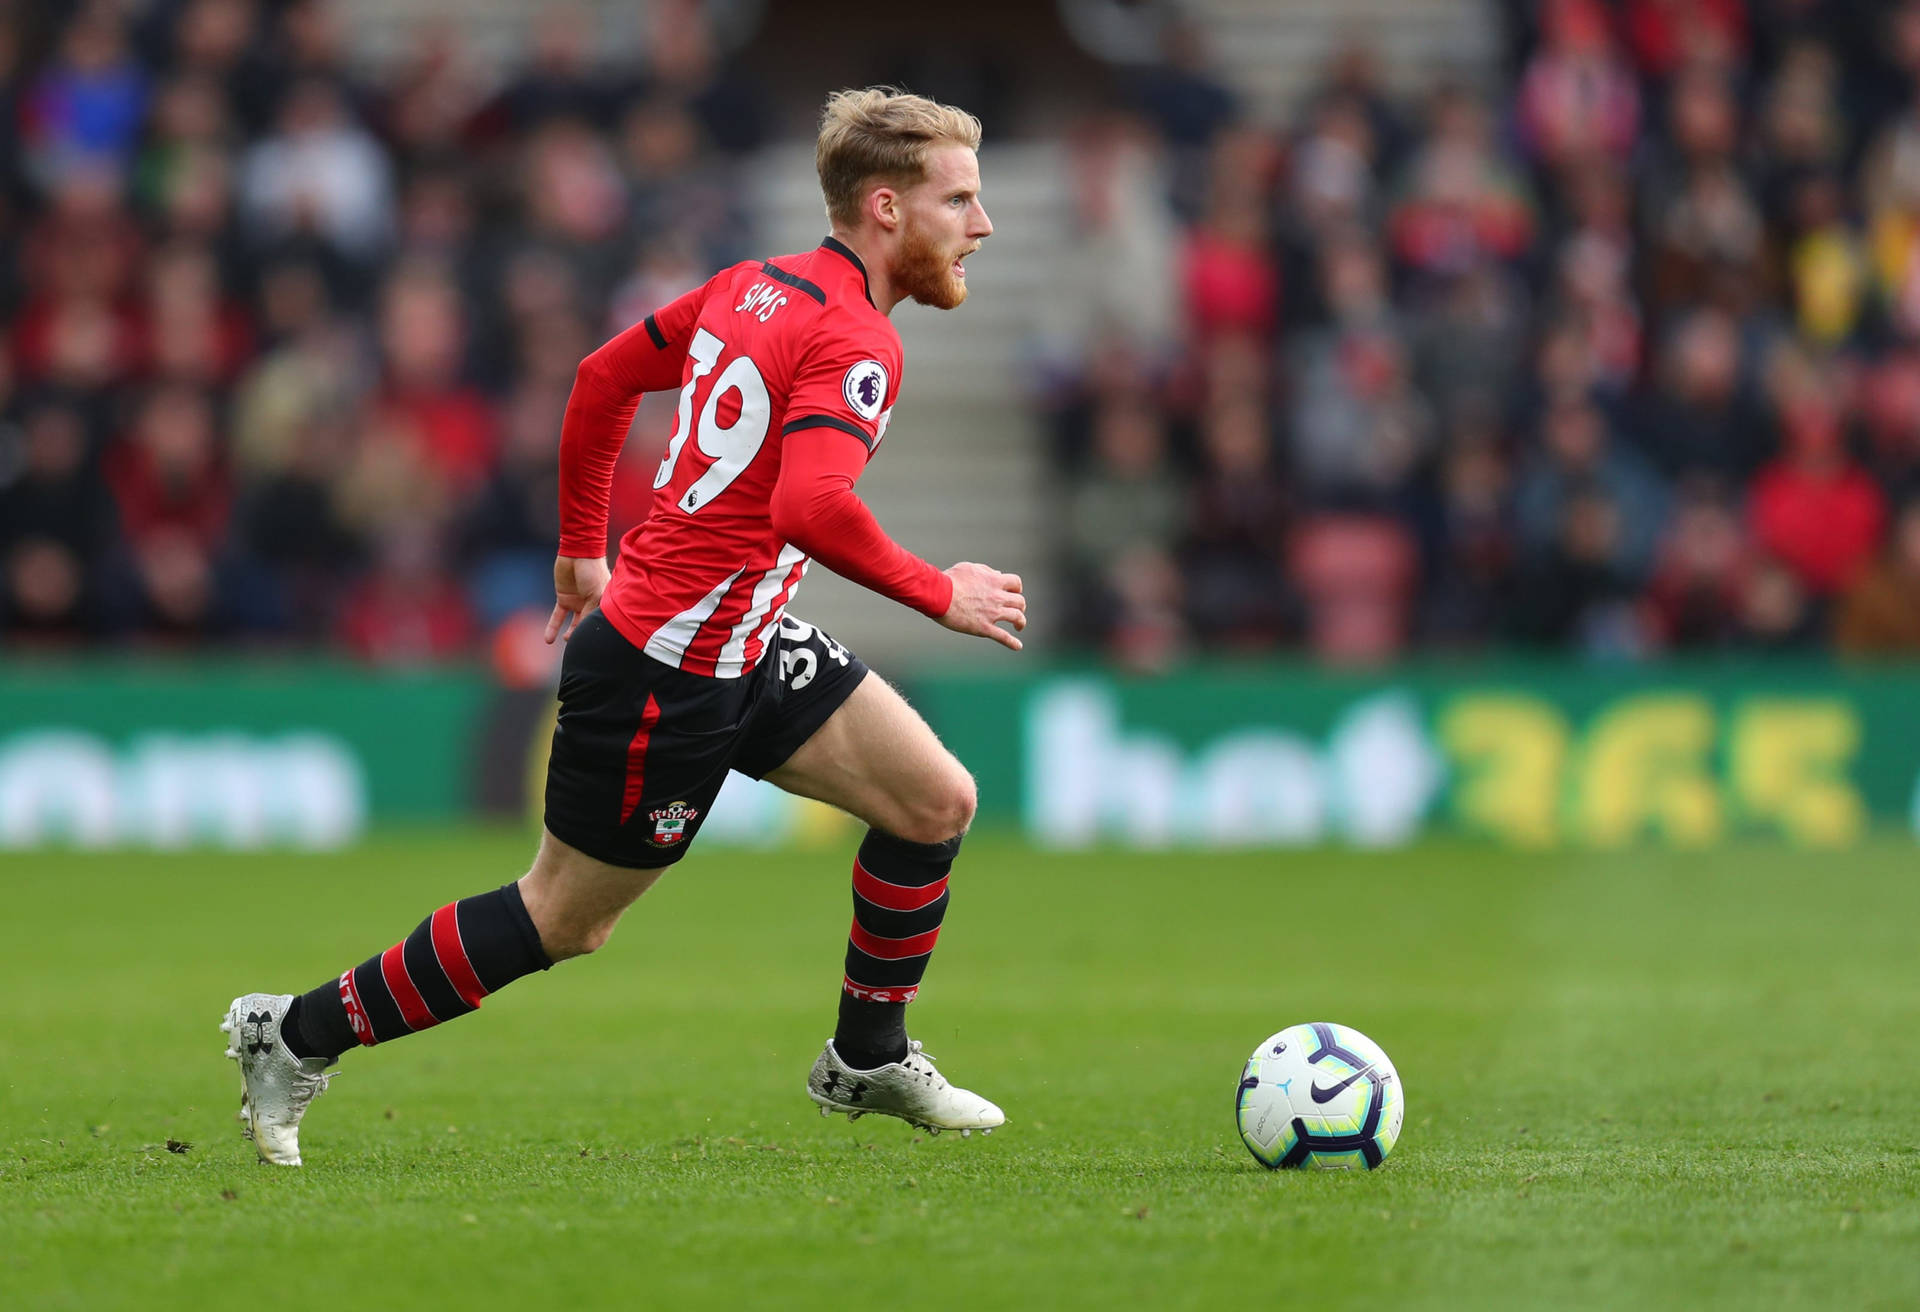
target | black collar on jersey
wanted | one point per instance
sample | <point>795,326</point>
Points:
<point>840,248</point>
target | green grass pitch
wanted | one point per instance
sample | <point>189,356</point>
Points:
<point>1634,1080</point>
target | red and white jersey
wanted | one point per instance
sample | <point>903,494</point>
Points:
<point>764,350</point>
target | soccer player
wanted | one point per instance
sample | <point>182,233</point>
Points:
<point>682,662</point>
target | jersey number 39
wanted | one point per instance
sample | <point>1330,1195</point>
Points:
<point>731,447</point>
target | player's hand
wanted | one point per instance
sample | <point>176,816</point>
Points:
<point>983,600</point>
<point>578,582</point>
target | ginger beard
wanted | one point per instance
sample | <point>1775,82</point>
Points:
<point>923,269</point>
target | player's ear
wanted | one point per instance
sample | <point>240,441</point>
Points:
<point>884,204</point>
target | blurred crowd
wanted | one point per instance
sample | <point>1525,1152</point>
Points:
<point>1621,357</point>
<point>286,349</point>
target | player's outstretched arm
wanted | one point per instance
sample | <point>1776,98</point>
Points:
<point>578,582</point>
<point>983,600</point>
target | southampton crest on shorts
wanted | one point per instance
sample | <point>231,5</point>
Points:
<point>670,823</point>
<point>865,388</point>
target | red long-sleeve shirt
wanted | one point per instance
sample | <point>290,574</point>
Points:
<point>787,376</point>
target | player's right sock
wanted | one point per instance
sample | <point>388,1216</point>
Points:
<point>456,957</point>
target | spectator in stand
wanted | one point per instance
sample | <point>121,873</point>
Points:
<point>1123,520</point>
<point>1572,592</point>
<point>80,328</point>
<point>1776,614</point>
<point>1695,599</point>
<point>1892,193</point>
<point>1826,262</point>
<point>315,368</point>
<point>1695,205</point>
<point>1356,573</point>
<point>1118,277</point>
<point>409,610</point>
<point>558,80</point>
<point>1701,418</point>
<point>192,201</point>
<point>174,495</point>
<point>1579,458</point>
<point>511,527</point>
<point>195,333</point>
<point>1331,187</point>
<point>1459,204</point>
<point>682,63</point>
<point>423,401</point>
<point>190,116</point>
<point>1879,615</point>
<point>217,40</point>
<point>167,474</point>
<point>1593,267</point>
<point>1185,99</point>
<point>56,522</point>
<point>1577,98</point>
<point>1469,342</point>
<point>674,185</point>
<point>1359,428</point>
<point>1472,546</point>
<point>1356,79</point>
<point>289,523</point>
<point>1232,552</point>
<point>294,41</point>
<point>1814,509</point>
<point>573,203</point>
<point>87,105</point>
<point>1801,130</point>
<point>427,116</point>
<point>1666,35</point>
<point>319,176</point>
<point>1230,280</point>
<point>1890,413</point>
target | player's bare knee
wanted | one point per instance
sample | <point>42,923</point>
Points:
<point>942,811</point>
<point>965,801</point>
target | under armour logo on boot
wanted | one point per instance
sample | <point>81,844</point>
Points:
<point>260,1043</point>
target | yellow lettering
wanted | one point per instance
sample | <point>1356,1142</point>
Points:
<point>1509,751</point>
<point>1789,761</point>
<point>1646,767</point>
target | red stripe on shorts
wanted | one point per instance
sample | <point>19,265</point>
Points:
<point>413,1007</point>
<point>895,897</point>
<point>892,949</point>
<point>453,956</point>
<point>637,758</point>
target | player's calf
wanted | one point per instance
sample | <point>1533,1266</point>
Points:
<point>452,960</point>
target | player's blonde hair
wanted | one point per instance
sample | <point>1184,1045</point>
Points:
<point>881,134</point>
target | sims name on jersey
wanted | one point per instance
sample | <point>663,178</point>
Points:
<point>762,299</point>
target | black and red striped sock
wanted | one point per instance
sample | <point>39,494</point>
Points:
<point>899,900</point>
<point>457,956</point>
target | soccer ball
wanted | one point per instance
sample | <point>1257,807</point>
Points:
<point>1319,1095</point>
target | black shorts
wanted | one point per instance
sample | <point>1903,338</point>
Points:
<point>641,749</point>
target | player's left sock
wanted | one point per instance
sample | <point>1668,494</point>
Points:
<point>456,957</point>
<point>899,900</point>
